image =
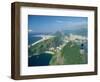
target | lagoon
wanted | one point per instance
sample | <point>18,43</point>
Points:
<point>42,59</point>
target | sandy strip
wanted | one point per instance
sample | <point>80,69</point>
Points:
<point>44,37</point>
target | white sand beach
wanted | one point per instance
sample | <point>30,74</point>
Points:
<point>44,37</point>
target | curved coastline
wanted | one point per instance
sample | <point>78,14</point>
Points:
<point>44,37</point>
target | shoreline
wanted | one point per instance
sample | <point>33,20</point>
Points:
<point>44,37</point>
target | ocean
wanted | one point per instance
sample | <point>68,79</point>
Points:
<point>32,38</point>
<point>42,59</point>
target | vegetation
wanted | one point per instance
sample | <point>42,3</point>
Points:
<point>40,47</point>
<point>69,54</point>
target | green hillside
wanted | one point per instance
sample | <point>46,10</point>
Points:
<point>71,53</point>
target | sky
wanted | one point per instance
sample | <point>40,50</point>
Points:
<point>39,23</point>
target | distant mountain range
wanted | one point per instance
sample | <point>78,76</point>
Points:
<point>82,31</point>
<point>40,33</point>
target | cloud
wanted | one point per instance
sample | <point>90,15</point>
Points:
<point>59,21</point>
<point>29,30</point>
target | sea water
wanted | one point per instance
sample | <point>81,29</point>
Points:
<point>42,59</point>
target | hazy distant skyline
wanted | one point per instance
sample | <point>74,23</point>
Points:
<point>39,23</point>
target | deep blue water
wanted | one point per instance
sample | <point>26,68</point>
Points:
<point>39,60</point>
<point>32,38</point>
